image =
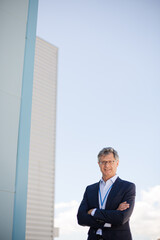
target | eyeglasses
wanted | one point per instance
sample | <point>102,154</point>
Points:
<point>104,163</point>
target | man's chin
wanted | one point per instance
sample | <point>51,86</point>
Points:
<point>108,172</point>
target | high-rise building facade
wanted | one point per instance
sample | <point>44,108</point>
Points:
<point>40,197</point>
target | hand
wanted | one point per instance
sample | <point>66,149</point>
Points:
<point>123,206</point>
<point>89,212</point>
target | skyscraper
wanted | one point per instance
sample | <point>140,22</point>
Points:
<point>40,196</point>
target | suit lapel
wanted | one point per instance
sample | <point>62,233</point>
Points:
<point>113,193</point>
<point>97,194</point>
<point>94,195</point>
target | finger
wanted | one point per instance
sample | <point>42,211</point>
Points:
<point>125,204</point>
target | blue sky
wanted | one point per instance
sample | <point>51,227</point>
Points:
<point>108,95</point>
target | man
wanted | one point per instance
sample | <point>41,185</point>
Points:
<point>107,205</point>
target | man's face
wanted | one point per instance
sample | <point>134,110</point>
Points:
<point>108,166</point>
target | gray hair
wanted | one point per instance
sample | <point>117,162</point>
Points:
<point>106,151</point>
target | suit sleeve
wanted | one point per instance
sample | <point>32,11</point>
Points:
<point>84,218</point>
<point>116,217</point>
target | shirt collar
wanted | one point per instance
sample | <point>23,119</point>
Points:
<point>112,179</point>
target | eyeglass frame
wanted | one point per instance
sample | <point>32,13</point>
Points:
<point>104,163</point>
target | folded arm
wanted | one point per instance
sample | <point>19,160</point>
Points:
<point>84,218</point>
<point>118,217</point>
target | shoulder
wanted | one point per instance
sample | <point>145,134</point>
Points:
<point>125,183</point>
<point>92,186</point>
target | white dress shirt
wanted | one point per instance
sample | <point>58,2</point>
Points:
<point>104,189</point>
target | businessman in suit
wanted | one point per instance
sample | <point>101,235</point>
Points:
<point>107,205</point>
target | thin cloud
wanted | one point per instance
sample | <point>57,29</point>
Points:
<point>145,221</point>
<point>66,221</point>
<point>61,205</point>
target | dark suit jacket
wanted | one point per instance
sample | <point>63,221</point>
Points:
<point>121,191</point>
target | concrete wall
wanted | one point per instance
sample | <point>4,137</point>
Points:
<point>14,16</point>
